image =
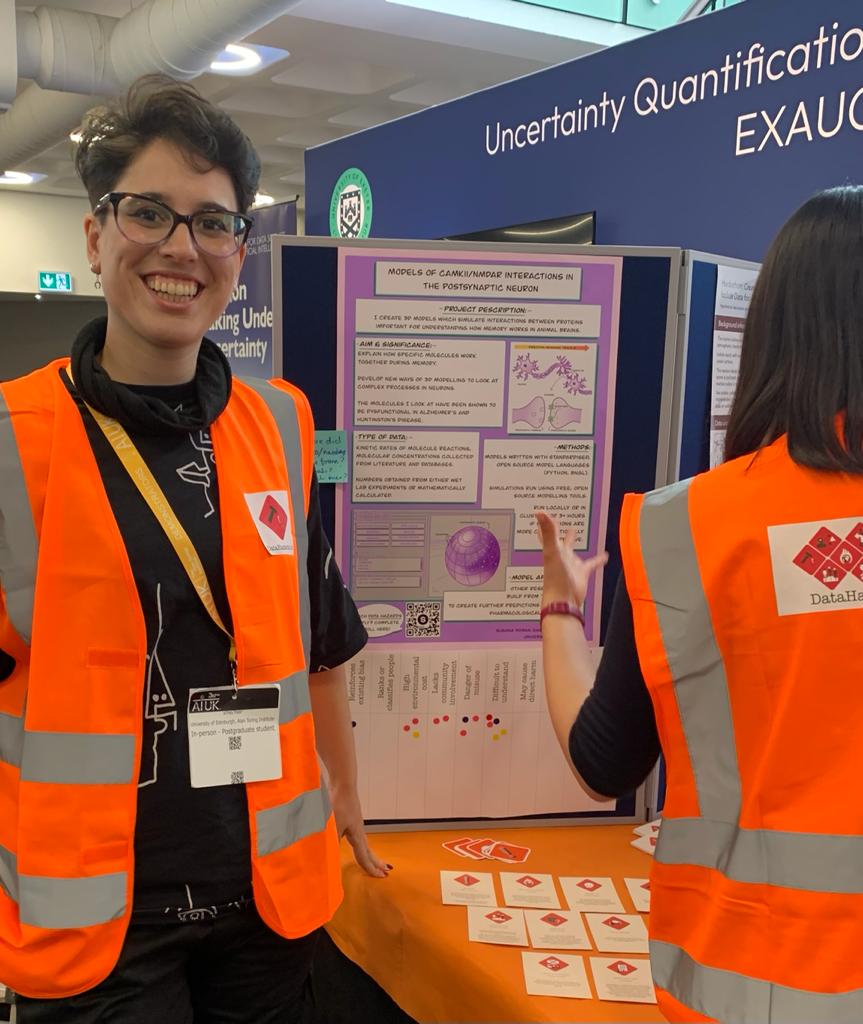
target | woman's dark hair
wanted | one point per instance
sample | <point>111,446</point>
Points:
<point>802,359</point>
<point>157,107</point>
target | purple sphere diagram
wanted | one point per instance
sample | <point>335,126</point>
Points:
<point>472,555</point>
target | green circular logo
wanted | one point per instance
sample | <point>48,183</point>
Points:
<point>351,206</point>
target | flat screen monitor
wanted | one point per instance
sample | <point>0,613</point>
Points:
<point>575,229</point>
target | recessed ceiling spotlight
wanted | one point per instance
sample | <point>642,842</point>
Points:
<point>236,58</point>
<point>247,59</point>
<point>263,199</point>
<point>16,178</point>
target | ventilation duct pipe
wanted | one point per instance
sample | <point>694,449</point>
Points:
<point>70,52</point>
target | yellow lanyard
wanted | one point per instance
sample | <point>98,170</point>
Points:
<point>152,493</point>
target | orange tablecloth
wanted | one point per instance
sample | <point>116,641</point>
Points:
<point>417,950</point>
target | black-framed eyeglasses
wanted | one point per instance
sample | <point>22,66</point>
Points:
<point>148,221</point>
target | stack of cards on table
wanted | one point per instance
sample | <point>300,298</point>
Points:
<point>647,836</point>
<point>488,849</point>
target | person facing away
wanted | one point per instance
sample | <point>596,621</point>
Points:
<point>733,642</point>
<point>168,846</point>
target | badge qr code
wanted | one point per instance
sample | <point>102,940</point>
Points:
<point>422,619</point>
<point>237,778</point>
<point>235,742</point>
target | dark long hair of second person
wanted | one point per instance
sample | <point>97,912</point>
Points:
<point>802,359</point>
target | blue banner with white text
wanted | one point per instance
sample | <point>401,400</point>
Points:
<point>244,332</point>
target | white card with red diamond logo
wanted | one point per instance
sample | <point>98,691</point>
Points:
<point>556,929</point>
<point>817,566</point>
<point>645,843</point>
<point>547,974</point>
<point>622,979</point>
<point>271,514</point>
<point>617,933</point>
<point>525,889</point>
<point>590,892</point>
<point>504,926</point>
<point>467,889</point>
<point>650,829</point>
<point>639,892</point>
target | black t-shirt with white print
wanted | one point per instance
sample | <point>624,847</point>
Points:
<point>192,846</point>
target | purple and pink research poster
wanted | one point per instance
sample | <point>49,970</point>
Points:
<point>474,388</point>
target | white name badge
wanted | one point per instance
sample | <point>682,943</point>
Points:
<point>234,735</point>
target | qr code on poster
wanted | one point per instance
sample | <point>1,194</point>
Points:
<point>237,778</point>
<point>423,619</point>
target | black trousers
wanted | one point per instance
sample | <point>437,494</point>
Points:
<point>229,970</point>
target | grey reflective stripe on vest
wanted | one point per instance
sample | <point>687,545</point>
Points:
<point>45,901</point>
<point>284,412</point>
<point>795,860</point>
<point>19,549</point>
<point>700,685</point>
<point>11,739</point>
<point>66,757</point>
<point>278,827</point>
<point>75,757</point>
<point>295,699</point>
<point>736,999</point>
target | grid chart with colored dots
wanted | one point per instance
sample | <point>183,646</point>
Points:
<point>456,733</point>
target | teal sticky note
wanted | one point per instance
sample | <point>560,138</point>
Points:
<point>331,456</point>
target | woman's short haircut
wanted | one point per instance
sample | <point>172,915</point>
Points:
<point>157,107</point>
<point>801,368</point>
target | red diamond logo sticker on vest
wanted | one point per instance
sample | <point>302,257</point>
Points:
<point>467,880</point>
<point>553,963</point>
<point>498,917</point>
<point>616,923</point>
<point>622,967</point>
<point>588,885</point>
<point>528,881</point>
<point>271,514</point>
<point>274,516</point>
<point>555,920</point>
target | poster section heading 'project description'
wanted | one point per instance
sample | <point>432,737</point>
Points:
<point>474,389</point>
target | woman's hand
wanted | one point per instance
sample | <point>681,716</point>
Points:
<point>349,822</point>
<point>565,575</point>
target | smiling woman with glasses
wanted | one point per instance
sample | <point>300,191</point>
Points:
<point>162,554</point>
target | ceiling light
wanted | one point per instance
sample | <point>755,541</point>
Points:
<point>263,199</point>
<point>76,136</point>
<point>247,59</point>
<point>234,59</point>
<point>16,178</point>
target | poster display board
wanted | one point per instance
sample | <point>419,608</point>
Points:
<point>473,383</point>
<point>475,390</point>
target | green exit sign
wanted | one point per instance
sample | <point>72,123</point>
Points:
<point>54,281</point>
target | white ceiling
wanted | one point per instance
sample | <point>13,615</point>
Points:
<point>354,64</point>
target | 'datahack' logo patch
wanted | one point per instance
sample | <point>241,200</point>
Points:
<point>817,567</point>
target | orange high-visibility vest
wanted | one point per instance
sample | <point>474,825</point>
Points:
<point>747,595</point>
<point>71,713</point>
